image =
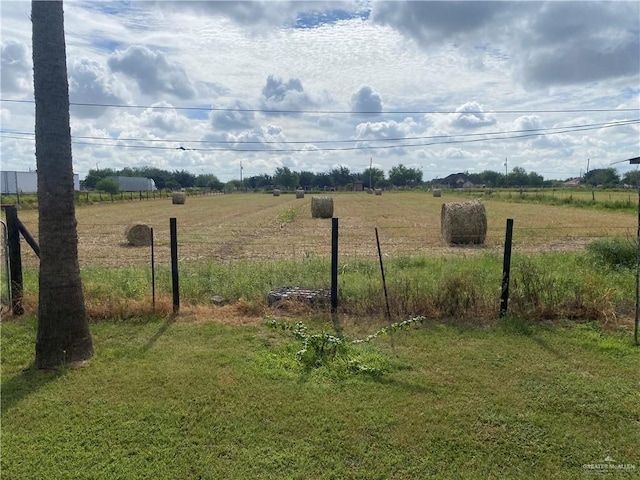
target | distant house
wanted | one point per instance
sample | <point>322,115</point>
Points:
<point>572,182</point>
<point>455,180</point>
<point>25,182</point>
<point>358,186</point>
<point>134,184</point>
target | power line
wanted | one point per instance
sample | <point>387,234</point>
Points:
<point>541,131</point>
<point>332,112</point>
<point>534,131</point>
<point>487,137</point>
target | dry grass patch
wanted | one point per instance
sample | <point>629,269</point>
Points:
<point>240,226</point>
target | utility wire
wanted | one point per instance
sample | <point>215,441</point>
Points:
<point>541,131</point>
<point>492,136</point>
<point>331,112</point>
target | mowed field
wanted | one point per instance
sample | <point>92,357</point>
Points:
<point>261,226</point>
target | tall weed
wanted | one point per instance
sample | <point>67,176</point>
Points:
<point>615,252</point>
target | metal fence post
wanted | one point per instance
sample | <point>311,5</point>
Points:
<point>15,258</point>
<point>506,268</point>
<point>174,264</point>
<point>334,265</point>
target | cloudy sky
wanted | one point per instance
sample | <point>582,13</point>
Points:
<point>442,86</point>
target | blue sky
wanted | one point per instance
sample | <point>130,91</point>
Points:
<point>442,86</point>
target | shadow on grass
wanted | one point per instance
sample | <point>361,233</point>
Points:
<point>19,386</point>
<point>161,331</point>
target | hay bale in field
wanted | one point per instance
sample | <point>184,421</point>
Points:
<point>178,198</point>
<point>138,235</point>
<point>464,222</point>
<point>369,190</point>
<point>299,193</point>
<point>321,207</point>
<point>378,191</point>
<point>437,192</point>
<point>276,192</point>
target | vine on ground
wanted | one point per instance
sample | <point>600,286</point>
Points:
<point>322,348</point>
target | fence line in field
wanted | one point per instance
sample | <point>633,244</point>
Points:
<point>106,245</point>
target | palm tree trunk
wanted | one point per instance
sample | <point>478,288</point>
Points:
<point>63,331</point>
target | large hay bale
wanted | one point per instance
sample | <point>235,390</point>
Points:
<point>378,191</point>
<point>138,235</point>
<point>321,207</point>
<point>299,193</point>
<point>276,192</point>
<point>178,198</point>
<point>464,222</point>
<point>437,192</point>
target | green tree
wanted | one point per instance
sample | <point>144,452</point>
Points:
<point>108,185</point>
<point>322,180</point>
<point>341,176</point>
<point>63,334</point>
<point>518,177</point>
<point>306,179</point>
<point>208,181</point>
<point>606,177</point>
<point>371,177</point>
<point>402,176</point>
<point>490,178</point>
<point>185,179</point>
<point>535,179</point>
<point>284,177</point>
<point>631,178</point>
<point>258,181</point>
<point>159,176</point>
<point>95,175</point>
<point>233,185</point>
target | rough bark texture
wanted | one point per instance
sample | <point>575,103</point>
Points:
<point>63,330</point>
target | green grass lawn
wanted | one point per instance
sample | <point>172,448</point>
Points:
<point>202,400</point>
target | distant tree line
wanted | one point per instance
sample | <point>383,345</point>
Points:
<point>98,179</point>
<point>342,178</point>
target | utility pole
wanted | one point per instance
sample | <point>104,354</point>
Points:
<point>506,169</point>
<point>241,183</point>
<point>370,167</point>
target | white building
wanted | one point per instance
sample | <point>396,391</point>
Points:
<point>135,184</point>
<point>25,182</point>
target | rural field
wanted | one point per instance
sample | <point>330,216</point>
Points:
<point>248,390</point>
<point>261,226</point>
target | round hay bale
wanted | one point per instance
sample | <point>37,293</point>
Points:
<point>464,222</point>
<point>178,198</point>
<point>369,190</point>
<point>321,207</point>
<point>378,191</point>
<point>299,193</point>
<point>276,192</point>
<point>437,192</point>
<point>138,235</point>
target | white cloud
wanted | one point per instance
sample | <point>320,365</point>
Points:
<point>526,65</point>
<point>366,99</point>
<point>471,115</point>
<point>278,94</point>
<point>153,72</point>
<point>16,67</point>
<point>165,118</point>
<point>89,82</point>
